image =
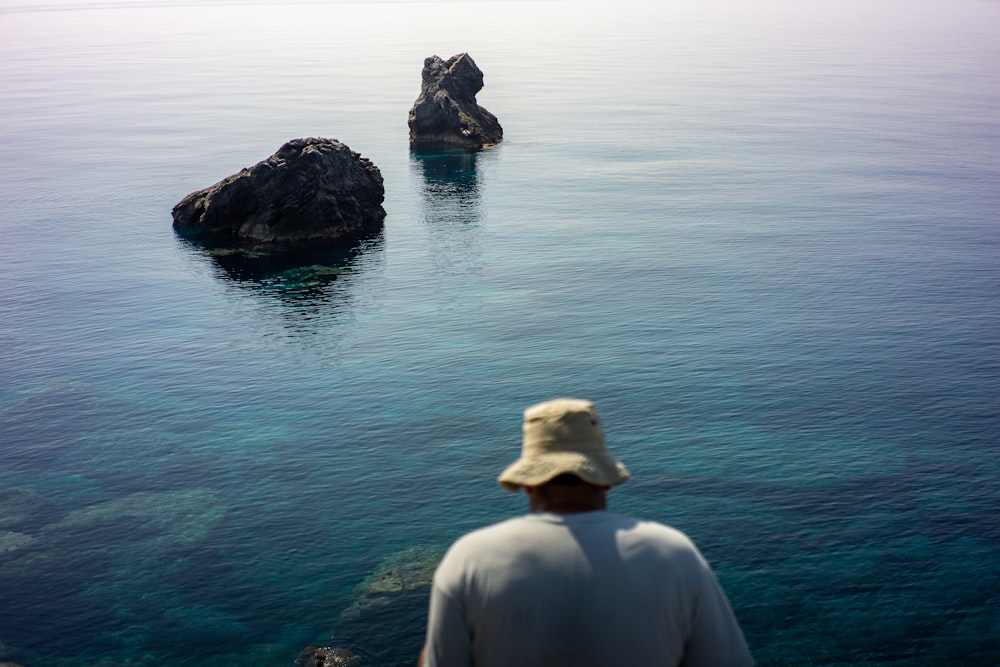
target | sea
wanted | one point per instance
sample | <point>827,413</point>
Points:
<point>762,236</point>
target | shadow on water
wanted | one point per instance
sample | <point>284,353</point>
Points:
<point>307,284</point>
<point>451,203</point>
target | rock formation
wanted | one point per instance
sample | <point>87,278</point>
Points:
<point>315,656</point>
<point>398,574</point>
<point>446,111</point>
<point>11,541</point>
<point>311,190</point>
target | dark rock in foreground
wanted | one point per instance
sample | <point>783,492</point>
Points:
<point>311,190</point>
<point>446,111</point>
<point>313,656</point>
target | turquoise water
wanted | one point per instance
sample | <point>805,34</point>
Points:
<point>762,238</point>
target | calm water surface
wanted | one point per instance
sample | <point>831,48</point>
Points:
<point>762,237</point>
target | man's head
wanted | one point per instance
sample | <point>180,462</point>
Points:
<point>563,436</point>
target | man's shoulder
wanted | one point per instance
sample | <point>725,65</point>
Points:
<point>655,527</point>
<point>630,528</point>
<point>481,545</point>
<point>538,524</point>
<point>508,536</point>
<point>497,530</point>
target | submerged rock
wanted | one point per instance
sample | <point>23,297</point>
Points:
<point>446,110</point>
<point>169,517</point>
<point>22,506</point>
<point>408,571</point>
<point>11,541</point>
<point>386,611</point>
<point>310,190</point>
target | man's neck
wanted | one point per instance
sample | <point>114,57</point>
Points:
<point>575,499</point>
<point>569,509</point>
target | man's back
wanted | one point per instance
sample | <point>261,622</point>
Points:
<point>590,589</point>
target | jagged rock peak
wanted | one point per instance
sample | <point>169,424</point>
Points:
<point>446,111</point>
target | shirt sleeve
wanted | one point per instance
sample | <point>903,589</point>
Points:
<point>716,638</point>
<point>449,638</point>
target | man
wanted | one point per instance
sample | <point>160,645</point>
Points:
<point>571,584</point>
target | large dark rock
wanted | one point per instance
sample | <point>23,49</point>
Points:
<point>446,111</point>
<point>311,190</point>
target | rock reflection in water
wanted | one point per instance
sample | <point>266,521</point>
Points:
<point>451,204</point>
<point>309,284</point>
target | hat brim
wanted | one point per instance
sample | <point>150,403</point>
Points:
<point>595,468</point>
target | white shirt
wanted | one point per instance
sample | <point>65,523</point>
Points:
<point>585,590</point>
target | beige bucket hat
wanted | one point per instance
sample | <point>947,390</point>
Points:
<point>563,436</point>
